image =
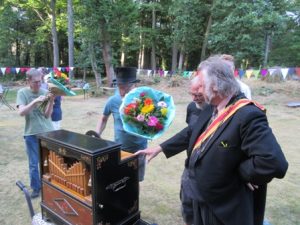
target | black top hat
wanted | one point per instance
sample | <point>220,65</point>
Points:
<point>126,75</point>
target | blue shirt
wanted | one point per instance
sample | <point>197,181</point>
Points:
<point>128,141</point>
<point>57,112</point>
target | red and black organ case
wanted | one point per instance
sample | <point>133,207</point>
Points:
<point>87,180</point>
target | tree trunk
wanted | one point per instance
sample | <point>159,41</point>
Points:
<point>181,58</point>
<point>71,37</point>
<point>84,76</point>
<point>107,54</point>
<point>141,54</point>
<point>18,53</point>
<point>94,65</point>
<point>205,39</point>
<point>122,59</point>
<point>267,48</point>
<point>174,56</point>
<point>54,34</point>
<point>153,58</point>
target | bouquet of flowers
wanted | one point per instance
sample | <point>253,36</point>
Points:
<point>58,85</point>
<point>146,112</point>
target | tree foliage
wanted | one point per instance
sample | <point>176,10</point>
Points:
<point>109,33</point>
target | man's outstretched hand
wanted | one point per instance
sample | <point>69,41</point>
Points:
<point>150,153</point>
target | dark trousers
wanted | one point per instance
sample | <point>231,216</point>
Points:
<point>203,215</point>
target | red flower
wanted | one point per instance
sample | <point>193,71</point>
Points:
<point>148,101</point>
<point>130,108</point>
<point>159,126</point>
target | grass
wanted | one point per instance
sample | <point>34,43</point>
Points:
<point>159,196</point>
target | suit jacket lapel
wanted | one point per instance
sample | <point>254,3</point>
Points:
<point>214,137</point>
<point>200,126</point>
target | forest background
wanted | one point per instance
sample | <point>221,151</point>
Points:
<point>95,36</point>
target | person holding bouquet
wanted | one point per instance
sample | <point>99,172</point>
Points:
<point>126,80</point>
<point>36,121</point>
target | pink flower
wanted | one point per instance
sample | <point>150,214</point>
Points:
<point>152,121</point>
<point>162,104</point>
<point>140,118</point>
<point>142,94</point>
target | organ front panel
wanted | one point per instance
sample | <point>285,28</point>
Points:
<point>86,180</point>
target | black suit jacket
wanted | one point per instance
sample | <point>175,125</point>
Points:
<point>242,150</point>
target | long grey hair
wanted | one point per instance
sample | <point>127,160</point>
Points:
<point>217,72</point>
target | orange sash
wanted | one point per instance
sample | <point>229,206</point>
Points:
<point>225,115</point>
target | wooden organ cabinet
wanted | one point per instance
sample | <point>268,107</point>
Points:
<point>87,180</point>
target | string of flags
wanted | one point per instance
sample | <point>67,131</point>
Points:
<point>164,73</point>
<point>23,70</point>
<point>237,73</point>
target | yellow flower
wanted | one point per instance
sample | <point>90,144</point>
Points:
<point>147,109</point>
<point>63,75</point>
<point>164,111</point>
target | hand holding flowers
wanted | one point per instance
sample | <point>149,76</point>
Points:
<point>58,83</point>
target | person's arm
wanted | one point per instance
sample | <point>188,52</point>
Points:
<point>101,124</point>
<point>25,109</point>
<point>265,159</point>
<point>150,153</point>
<point>49,107</point>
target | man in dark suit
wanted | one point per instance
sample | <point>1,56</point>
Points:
<point>193,112</point>
<point>229,150</point>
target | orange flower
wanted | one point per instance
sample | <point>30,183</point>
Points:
<point>129,109</point>
<point>148,101</point>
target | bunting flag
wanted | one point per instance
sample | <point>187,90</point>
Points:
<point>264,72</point>
<point>71,68</point>
<point>241,73</point>
<point>59,68</point>
<point>256,73</point>
<point>17,70</point>
<point>292,71</point>
<point>3,70</point>
<point>297,69</point>
<point>166,73</point>
<point>191,74</point>
<point>149,73</point>
<point>186,74</point>
<point>271,71</point>
<point>284,72</point>
<point>249,73</point>
<point>236,73</point>
<point>67,69</point>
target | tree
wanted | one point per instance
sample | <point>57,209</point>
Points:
<point>71,37</point>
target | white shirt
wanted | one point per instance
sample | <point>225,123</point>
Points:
<point>245,89</point>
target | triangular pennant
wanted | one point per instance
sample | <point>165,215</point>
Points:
<point>264,72</point>
<point>13,70</point>
<point>292,71</point>
<point>241,73</point>
<point>71,68</point>
<point>249,73</point>
<point>8,70</point>
<point>190,74</point>
<point>59,68</point>
<point>17,70</point>
<point>149,73</point>
<point>236,73</point>
<point>297,69</point>
<point>3,70</point>
<point>284,72</point>
<point>271,71</point>
<point>256,73</point>
<point>166,73</point>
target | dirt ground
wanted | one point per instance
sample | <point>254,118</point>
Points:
<point>159,198</point>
